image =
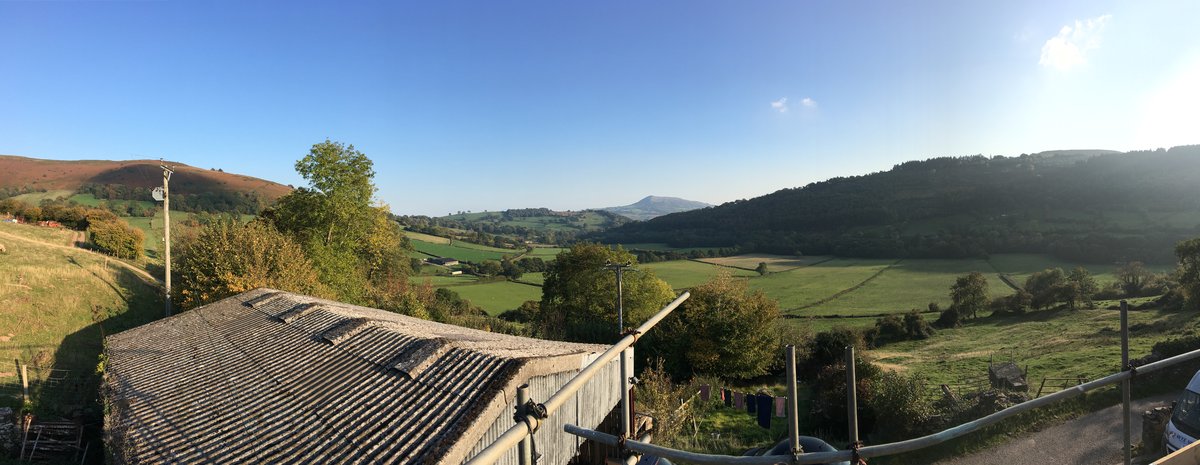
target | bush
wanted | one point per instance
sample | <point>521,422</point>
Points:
<point>949,318</point>
<point>227,258</point>
<point>829,348</point>
<point>117,239</point>
<point>915,326</point>
<point>899,407</point>
<point>829,396</point>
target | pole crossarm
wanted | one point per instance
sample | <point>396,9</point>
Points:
<point>883,449</point>
<point>519,431</point>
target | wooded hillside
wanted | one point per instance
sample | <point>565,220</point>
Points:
<point>1093,206</point>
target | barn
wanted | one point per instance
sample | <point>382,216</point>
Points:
<point>274,377</point>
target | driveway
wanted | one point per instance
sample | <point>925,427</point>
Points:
<point>1094,438</point>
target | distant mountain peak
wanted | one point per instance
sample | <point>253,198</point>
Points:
<point>653,206</point>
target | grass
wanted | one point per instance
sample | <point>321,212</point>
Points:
<point>775,263</point>
<point>545,253</point>
<point>911,284</point>
<point>808,285</point>
<point>460,253</point>
<point>1020,266</point>
<point>682,274</point>
<point>533,278</point>
<point>1052,343</point>
<point>153,229</point>
<point>58,236</point>
<point>499,296</point>
<point>34,198</point>
<point>444,281</point>
<point>660,247</point>
<point>416,236</point>
<point>57,306</point>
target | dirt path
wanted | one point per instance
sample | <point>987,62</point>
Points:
<point>138,271</point>
<point>1094,438</point>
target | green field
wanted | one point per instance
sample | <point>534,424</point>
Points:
<point>808,285</point>
<point>34,198</point>
<point>444,281</point>
<point>682,274</point>
<point>660,247</point>
<point>463,251</point>
<point>1020,266</point>
<point>55,302</point>
<point>568,221</point>
<point>775,263</point>
<point>153,229</point>
<point>1058,343</point>
<point>911,284</point>
<point>416,236</point>
<point>500,296</point>
<point>545,253</point>
<point>533,278</point>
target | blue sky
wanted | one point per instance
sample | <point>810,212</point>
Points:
<point>571,105</point>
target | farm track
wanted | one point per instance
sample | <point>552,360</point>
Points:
<point>150,279</point>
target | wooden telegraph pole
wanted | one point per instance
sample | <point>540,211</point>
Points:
<point>164,196</point>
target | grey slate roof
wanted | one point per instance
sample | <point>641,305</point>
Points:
<point>274,377</point>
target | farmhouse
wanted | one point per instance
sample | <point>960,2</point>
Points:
<point>444,261</point>
<point>274,377</point>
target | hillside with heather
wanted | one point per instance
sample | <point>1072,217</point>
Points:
<point>1093,206</point>
<point>192,188</point>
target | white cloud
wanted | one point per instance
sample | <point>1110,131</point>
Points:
<point>780,105</point>
<point>1070,47</point>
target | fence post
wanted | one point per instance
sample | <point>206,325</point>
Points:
<point>24,383</point>
<point>1125,385</point>
<point>524,448</point>
<point>852,396</point>
<point>793,414</point>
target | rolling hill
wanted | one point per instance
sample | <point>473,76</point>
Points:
<point>131,179</point>
<point>654,206</point>
<point>1085,205</point>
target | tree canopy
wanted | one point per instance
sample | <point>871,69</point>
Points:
<point>1189,271</point>
<point>356,248</point>
<point>730,331</point>
<point>579,295</point>
<point>970,294</point>
<point>227,258</point>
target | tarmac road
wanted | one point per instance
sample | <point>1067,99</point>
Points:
<point>1094,438</point>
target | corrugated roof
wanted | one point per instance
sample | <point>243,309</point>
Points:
<point>269,376</point>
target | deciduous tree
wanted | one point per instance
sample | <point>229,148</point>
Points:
<point>724,329</point>
<point>579,295</point>
<point>227,258</point>
<point>970,294</point>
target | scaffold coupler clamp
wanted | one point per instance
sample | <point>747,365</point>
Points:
<point>530,413</point>
<point>632,332</point>
<point>1132,369</point>
<point>856,459</point>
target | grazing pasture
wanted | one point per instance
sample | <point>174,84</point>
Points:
<point>775,263</point>
<point>499,296</point>
<point>682,274</point>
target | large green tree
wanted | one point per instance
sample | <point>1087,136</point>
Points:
<point>970,294</point>
<point>579,295</point>
<point>1188,253</point>
<point>357,250</point>
<point>723,330</point>
<point>227,258</point>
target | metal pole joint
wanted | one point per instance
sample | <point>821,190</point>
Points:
<point>530,413</point>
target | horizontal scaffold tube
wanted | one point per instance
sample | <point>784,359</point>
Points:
<point>519,431</point>
<point>882,449</point>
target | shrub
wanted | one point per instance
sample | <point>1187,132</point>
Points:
<point>949,318</point>
<point>228,258</point>
<point>899,407</point>
<point>915,326</point>
<point>117,239</point>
